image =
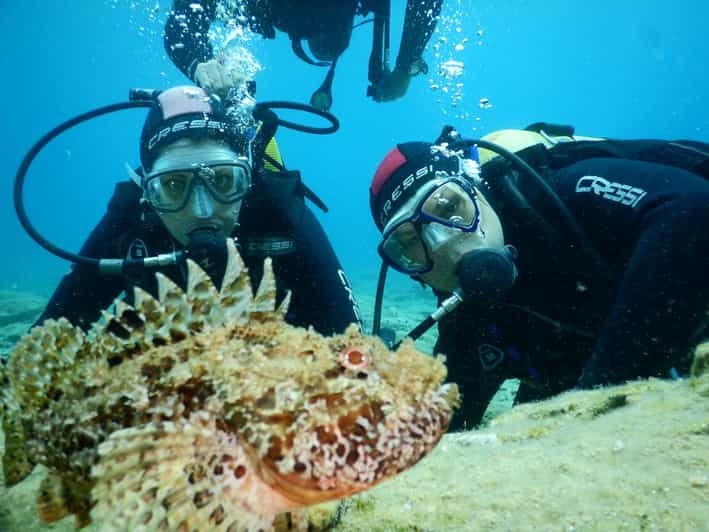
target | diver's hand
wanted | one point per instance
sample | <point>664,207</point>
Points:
<point>392,86</point>
<point>215,77</point>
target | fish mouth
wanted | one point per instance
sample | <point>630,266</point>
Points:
<point>304,491</point>
<point>293,486</point>
<point>356,452</point>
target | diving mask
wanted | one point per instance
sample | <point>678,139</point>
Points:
<point>438,211</point>
<point>226,180</point>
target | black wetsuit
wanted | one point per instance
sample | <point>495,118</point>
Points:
<point>187,26</point>
<point>566,324</point>
<point>303,262</point>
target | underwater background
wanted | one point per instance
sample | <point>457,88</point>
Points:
<point>627,69</point>
<point>622,69</point>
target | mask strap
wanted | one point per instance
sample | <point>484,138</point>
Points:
<point>134,176</point>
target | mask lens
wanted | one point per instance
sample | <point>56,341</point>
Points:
<point>169,191</point>
<point>404,249</point>
<point>451,205</point>
<point>226,182</point>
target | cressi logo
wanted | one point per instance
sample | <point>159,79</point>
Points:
<point>617,192</point>
<point>183,125</point>
<point>404,185</point>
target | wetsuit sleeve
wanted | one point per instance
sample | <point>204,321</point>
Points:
<point>419,23</point>
<point>321,294</point>
<point>83,292</point>
<point>650,221</point>
<point>457,340</point>
<point>186,29</point>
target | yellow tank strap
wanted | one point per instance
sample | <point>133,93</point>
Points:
<point>516,140</point>
<point>273,151</point>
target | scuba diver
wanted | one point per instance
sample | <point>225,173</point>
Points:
<point>563,261</point>
<point>201,182</point>
<point>325,25</point>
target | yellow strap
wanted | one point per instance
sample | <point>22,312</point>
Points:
<point>272,151</point>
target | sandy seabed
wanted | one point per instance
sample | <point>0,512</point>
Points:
<point>630,457</point>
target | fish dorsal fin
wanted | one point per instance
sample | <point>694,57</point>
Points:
<point>148,306</point>
<point>235,296</point>
<point>265,298</point>
<point>205,311</point>
<point>132,321</point>
<point>108,335</point>
<point>170,296</point>
<point>154,316</point>
<point>185,475</point>
<point>177,309</point>
<point>43,360</point>
<point>120,334</point>
<point>41,369</point>
<point>133,330</point>
<point>15,462</point>
<point>282,309</point>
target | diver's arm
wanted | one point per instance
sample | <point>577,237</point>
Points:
<point>419,23</point>
<point>186,41</point>
<point>457,341</point>
<point>84,292</point>
<point>80,297</point>
<point>322,296</point>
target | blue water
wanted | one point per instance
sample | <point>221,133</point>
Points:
<point>620,69</point>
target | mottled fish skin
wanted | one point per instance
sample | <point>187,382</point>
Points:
<point>204,410</point>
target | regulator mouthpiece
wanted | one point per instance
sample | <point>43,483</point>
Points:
<point>487,274</point>
<point>208,249</point>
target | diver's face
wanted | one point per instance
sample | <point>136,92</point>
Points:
<point>201,210</point>
<point>446,246</point>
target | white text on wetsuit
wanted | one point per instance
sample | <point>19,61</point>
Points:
<point>618,192</point>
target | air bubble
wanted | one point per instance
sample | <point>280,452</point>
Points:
<point>452,68</point>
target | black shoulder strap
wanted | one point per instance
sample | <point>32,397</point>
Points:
<point>555,130</point>
<point>300,187</point>
<point>689,155</point>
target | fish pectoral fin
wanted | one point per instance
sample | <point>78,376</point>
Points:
<point>316,518</point>
<point>61,495</point>
<point>51,502</point>
<point>184,475</point>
